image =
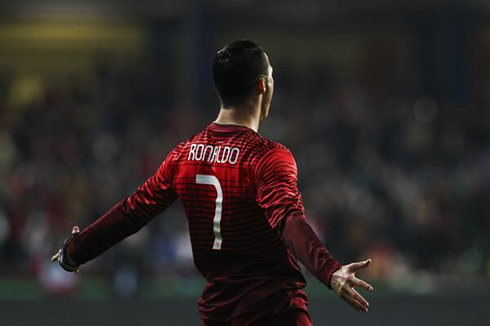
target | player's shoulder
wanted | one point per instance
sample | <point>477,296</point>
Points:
<point>267,149</point>
<point>267,145</point>
<point>176,151</point>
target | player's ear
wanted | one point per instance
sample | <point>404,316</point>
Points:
<point>262,86</point>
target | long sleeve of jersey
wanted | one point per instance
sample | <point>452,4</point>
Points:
<point>125,218</point>
<point>278,195</point>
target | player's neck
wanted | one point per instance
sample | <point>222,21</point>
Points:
<point>239,116</point>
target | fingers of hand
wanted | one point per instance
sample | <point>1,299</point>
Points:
<point>346,288</point>
<point>354,303</point>
<point>358,282</point>
<point>75,230</point>
<point>359,265</point>
<point>359,298</point>
<point>56,256</point>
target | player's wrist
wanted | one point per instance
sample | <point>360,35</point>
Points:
<point>331,274</point>
<point>65,260</point>
<point>67,266</point>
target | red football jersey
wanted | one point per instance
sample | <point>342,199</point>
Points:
<point>236,188</point>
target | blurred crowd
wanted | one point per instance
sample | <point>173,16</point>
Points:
<point>389,174</point>
<point>384,172</point>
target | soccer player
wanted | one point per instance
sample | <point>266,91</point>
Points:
<point>246,218</point>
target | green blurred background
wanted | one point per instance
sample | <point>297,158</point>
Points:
<point>385,105</point>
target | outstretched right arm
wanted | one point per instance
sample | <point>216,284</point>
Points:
<point>124,219</point>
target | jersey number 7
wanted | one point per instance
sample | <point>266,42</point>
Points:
<point>213,181</point>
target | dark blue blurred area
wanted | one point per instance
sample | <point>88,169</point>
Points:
<point>385,107</point>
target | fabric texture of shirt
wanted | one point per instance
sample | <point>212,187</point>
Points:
<point>245,215</point>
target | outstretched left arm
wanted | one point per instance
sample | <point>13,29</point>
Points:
<point>302,240</point>
<point>278,194</point>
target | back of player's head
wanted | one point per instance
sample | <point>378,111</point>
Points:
<point>236,69</point>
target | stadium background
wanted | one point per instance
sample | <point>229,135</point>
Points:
<point>385,105</point>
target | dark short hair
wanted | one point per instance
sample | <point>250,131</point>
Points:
<point>236,69</point>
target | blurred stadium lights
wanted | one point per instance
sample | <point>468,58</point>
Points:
<point>41,45</point>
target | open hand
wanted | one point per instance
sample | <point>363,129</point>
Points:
<point>344,281</point>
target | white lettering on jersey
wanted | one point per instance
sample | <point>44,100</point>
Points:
<point>213,154</point>
<point>234,158</point>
